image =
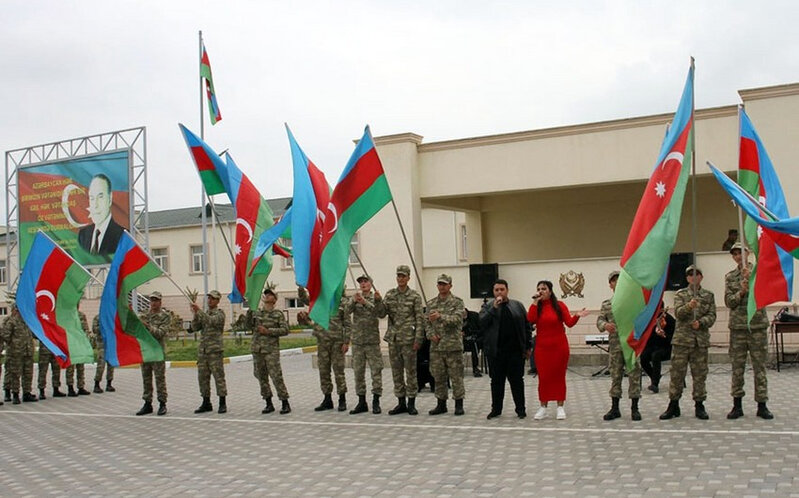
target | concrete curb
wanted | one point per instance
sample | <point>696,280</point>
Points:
<point>234,359</point>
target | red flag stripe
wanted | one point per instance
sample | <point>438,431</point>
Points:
<point>202,160</point>
<point>360,178</point>
<point>54,271</point>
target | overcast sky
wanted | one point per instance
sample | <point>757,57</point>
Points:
<point>441,69</point>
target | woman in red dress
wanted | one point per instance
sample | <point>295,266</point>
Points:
<point>551,346</point>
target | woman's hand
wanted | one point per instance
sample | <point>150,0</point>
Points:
<point>583,313</point>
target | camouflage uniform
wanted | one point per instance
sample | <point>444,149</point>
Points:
<point>84,324</point>
<point>446,356</point>
<point>158,325</point>
<point>405,326</point>
<point>48,359</point>
<point>365,338</point>
<point>690,346</point>
<point>746,338</point>
<point>99,349</point>
<point>266,350</point>
<point>617,364</point>
<point>19,352</point>
<point>209,352</point>
<point>329,354</point>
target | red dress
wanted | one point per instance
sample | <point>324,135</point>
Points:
<point>551,349</point>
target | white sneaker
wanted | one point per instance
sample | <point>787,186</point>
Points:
<point>541,414</point>
<point>561,413</point>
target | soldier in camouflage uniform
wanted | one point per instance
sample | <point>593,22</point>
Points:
<point>157,321</point>
<point>330,352</point>
<point>404,336</point>
<point>19,364</point>
<point>365,307</point>
<point>48,359</point>
<point>443,329</point>
<point>268,325</point>
<point>102,365</point>
<point>605,323</point>
<point>72,369</point>
<point>210,359</point>
<point>751,338</point>
<point>695,311</point>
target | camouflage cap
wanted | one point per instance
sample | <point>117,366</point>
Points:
<point>155,295</point>
<point>737,246</point>
<point>364,277</point>
<point>215,294</point>
<point>404,270</point>
<point>444,279</point>
<point>693,269</point>
<point>613,274</point>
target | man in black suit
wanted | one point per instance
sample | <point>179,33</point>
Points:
<point>102,236</point>
<point>507,342</point>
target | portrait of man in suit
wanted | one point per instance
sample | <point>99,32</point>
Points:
<point>102,235</point>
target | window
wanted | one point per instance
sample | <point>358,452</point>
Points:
<point>286,263</point>
<point>161,257</point>
<point>197,259</point>
<point>355,248</point>
<point>293,302</point>
<point>3,311</point>
<point>463,245</point>
<point>3,279</point>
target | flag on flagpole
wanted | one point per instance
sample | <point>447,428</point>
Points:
<point>212,169</point>
<point>362,191</point>
<point>645,258</point>
<point>127,341</point>
<point>205,73</point>
<point>50,287</point>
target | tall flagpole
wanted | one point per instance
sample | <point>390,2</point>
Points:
<point>741,235</point>
<point>693,172</point>
<point>202,193</point>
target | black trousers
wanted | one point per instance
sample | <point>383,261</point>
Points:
<point>510,367</point>
<point>651,360</point>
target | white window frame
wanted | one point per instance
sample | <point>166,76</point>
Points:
<point>204,261</point>
<point>463,242</point>
<point>158,258</point>
<point>3,272</point>
<point>355,247</point>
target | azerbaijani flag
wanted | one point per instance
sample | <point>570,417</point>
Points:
<point>205,73</point>
<point>772,278</point>
<point>269,238</point>
<point>361,192</point>
<point>645,258</point>
<point>212,169</point>
<point>49,290</point>
<point>127,341</point>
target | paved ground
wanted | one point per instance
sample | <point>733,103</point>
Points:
<point>93,445</point>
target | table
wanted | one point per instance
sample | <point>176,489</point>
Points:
<point>779,329</point>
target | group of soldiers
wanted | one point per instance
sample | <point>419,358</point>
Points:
<point>695,313</point>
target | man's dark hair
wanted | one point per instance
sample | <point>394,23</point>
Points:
<point>105,179</point>
<point>501,281</point>
<point>269,292</point>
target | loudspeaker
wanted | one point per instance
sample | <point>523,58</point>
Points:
<point>481,280</point>
<point>678,262</point>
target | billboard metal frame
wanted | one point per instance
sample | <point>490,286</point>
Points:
<point>132,139</point>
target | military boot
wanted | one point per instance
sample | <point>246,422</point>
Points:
<point>161,408</point>
<point>71,392</point>
<point>376,404</point>
<point>146,408</point>
<point>285,407</point>
<point>459,407</point>
<point>16,399</point>
<point>737,409</point>
<point>222,405</point>
<point>269,408</point>
<point>412,407</point>
<point>342,402</point>
<point>699,410</point>
<point>206,406</point>
<point>634,413</point>
<point>41,394</point>
<point>57,393</point>
<point>326,404</point>
<point>673,411</point>
<point>83,392</point>
<point>7,395</point>
<point>441,407</point>
<point>361,406</point>
<point>400,408</point>
<point>614,412</point>
<point>763,411</point>
<point>97,388</point>
<point>29,397</point>
<point>109,388</point>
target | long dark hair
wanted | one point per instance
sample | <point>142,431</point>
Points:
<point>552,299</point>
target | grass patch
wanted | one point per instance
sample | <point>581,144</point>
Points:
<point>186,349</point>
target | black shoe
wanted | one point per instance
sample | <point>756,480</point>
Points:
<point>109,388</point>
<point>476,373</point>
<point>326,404</point>
<point>376,404</point>
<point>441,407</point>
<point>673,411</point>
<point>635,414</point>
<point>459,407</point>
<point>206,406</point>
<point>161,409</point>
<point>41,394</point>
<point>16,399</point>
<point>97,388</point>
<point>71,392</point>
<point>57,393</point>
<point>412,407</point>
<point>146,409</point>
<point>83,392</point>
<point>361,407</point>
<point>269,408</point>
<point>222,405</point>
<point>401,407</point>
<point>285,407</point>
<point>737,409</point>
<point>654,388</point>
<point>7,395</point>
<point>342,402</point>
<point>763,411</point>
<point>699,411</point>
<point>29,397</point>
<point>493,414</point>
<point>521,413</point>
<point>614,412</point>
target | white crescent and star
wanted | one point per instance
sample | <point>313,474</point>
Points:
<point>332,208</point>
<point>242,222</point>
<point>49,295</point>
<point>65,204</point>
<point>677,156</point>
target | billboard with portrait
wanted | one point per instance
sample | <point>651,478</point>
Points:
<point>82,203</point>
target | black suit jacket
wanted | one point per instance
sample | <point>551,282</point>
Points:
<point>489,323</point>
<point>110,241</point>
